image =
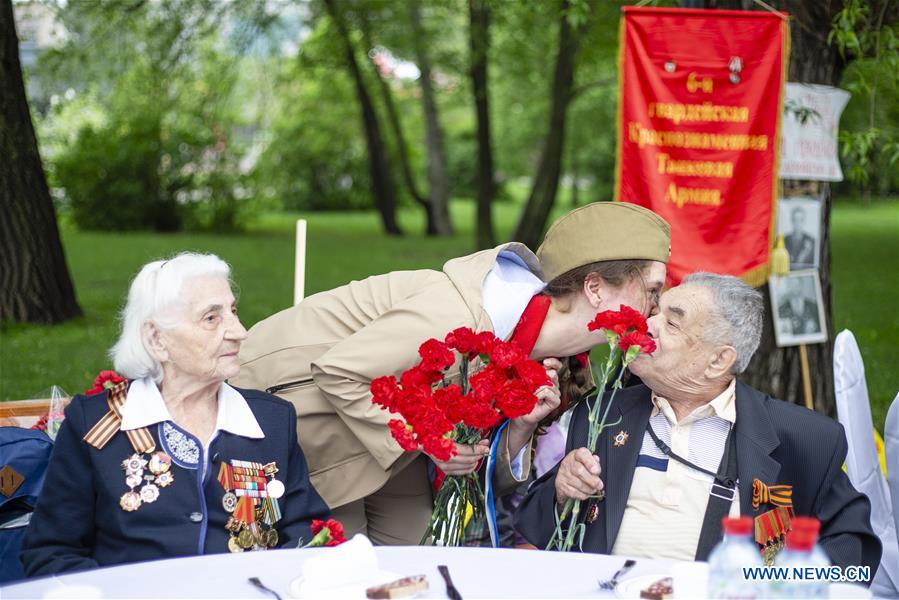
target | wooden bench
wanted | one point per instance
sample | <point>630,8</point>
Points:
<point>23,413</point>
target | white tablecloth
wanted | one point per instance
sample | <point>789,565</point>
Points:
<point>476,572</point>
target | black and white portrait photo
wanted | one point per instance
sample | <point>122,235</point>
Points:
<point>798,308</point>
<point>799,221</point>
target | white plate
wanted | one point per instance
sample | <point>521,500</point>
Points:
<point>352,590</point>
<point>630,588</point>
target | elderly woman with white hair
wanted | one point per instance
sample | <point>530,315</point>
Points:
<point>173,461</point>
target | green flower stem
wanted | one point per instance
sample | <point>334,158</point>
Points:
<point>565,536</point>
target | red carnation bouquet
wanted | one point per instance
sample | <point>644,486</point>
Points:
<point>437,414</point>
<point>627,334</point>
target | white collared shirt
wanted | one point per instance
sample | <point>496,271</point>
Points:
<point>508,288</point>
<point>144,406</point>
<point>667,501</point>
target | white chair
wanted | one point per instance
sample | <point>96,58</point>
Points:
<point>891,444</point>
<point>862,464</point>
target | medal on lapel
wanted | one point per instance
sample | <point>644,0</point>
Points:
<point>136,466</point>
<point>620,438</point>
<point>251,493</point>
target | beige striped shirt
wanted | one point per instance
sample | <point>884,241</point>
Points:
<point>667,501</point>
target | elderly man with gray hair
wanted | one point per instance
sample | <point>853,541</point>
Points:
<point>693,445</point>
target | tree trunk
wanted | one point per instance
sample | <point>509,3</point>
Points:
<point>383,187</point>
<point>35,285</point>
<point>776,371</point>
<point>546,183</point>
<point>438,179</point>
<point>479,41</point>
<point>402,148</point>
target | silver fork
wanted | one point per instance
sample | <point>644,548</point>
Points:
<point>261,586</point>
<point>610,584</point>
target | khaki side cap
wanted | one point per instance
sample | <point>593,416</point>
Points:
<point>604,231</point>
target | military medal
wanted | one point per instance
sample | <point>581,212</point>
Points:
<point>771,529</point>
<point>129,501</point>
<point>251,493</point>
<point>229,502</point>
<point>233,545</point>
<point>592,512</point>
<point>135,466</point>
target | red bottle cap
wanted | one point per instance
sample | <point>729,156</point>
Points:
<point>807,524</point>
<point>801,540</point>
<point>738,526</point>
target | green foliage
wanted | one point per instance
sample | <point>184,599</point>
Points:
<point>870,127</point>
<point>316,158</point>
<point>162,146</point>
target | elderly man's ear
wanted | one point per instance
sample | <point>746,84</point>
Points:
<point>153,341</point>
<point>721,362</point>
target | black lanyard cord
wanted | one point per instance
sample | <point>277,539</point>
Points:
<point>722,478</point>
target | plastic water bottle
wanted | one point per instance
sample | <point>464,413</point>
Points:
<point>800,553</point>
<point>819,557</point>
<point>726,562</point>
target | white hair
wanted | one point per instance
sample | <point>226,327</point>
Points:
<point>737,315</point>
<point>154,292</point>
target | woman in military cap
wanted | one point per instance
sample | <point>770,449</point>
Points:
<point>174,461</point>
<point>323,353</point>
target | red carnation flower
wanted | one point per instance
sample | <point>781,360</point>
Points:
<point>607,319</point>
<point>104,381</point>
<point>463,340</point>
<point>634,319</point>
<point>506,355</point>
<point>486,341</point>
<point>435,356</point>
<point>403,435</point>
<point>440,448</point>
<point>486,383</point>
<point>385,392</point>
<point>416,377</point>
<point>334,527</point>
<point>635,338</point>
<point>515,399</point>
<point>533,373</point>
<point>478,414</point>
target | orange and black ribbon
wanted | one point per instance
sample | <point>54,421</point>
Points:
<point>111,423</point>
<point>778,495</point>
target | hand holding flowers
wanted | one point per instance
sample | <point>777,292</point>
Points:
<point>449,421</point>
<point>578,478</point>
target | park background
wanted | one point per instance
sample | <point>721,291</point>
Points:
<point>405,131</point>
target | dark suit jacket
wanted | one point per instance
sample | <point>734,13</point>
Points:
<point>777,443</point>
<point>801,248</point>
<point>803,322</point>
<point>78,523</point>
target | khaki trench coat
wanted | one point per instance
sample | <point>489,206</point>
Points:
<point>323,353</point>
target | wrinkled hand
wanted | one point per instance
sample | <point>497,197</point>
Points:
<point>548,397</point>
<point>578,476</point>
<point>466,459</point>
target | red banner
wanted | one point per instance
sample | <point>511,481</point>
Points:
<point>699,103</point>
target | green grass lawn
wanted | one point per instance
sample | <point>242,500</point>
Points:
<point>346,246</point>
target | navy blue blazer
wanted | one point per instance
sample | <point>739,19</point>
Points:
<point>78,522</point>
<point>777,443</point>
